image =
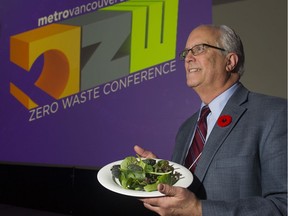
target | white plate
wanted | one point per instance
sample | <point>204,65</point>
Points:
<point>106,179</point>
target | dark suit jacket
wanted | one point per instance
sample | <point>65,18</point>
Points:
<point>243,167</point>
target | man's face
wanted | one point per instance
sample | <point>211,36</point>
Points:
<point>205,71</point>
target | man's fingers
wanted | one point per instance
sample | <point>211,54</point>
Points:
<point>143,153</point>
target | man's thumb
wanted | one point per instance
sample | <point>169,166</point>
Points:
<point>166,189</point>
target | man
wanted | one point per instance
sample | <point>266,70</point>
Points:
<point>242,169</point>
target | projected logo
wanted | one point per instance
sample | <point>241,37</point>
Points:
<point>95,48</point>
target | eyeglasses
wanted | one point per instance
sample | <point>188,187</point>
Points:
<point>197,49</point>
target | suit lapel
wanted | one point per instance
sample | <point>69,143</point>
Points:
<point>189,139</point>
<point>219,134</point>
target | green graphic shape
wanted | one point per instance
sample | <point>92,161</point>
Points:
<point>153,33</point>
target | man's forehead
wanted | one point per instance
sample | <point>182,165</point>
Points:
<point>202,35</point>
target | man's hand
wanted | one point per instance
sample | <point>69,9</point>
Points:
<point>143,152</point>
<point>177,201</point>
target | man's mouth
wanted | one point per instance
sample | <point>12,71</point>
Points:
<point>191,70</point>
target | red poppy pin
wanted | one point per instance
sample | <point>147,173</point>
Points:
<point>224,120</point>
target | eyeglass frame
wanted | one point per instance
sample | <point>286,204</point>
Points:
<point>185,52</point>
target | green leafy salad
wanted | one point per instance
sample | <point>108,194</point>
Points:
<point>143,174</point>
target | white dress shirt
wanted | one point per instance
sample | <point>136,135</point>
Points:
<point>216,106</point>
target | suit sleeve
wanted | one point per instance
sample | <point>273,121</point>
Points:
<point>273,157</point>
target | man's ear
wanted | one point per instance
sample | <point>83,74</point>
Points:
<point>232,61</point>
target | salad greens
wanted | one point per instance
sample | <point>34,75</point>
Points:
<point>144,174</point>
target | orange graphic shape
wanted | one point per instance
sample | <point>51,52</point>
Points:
<point>60,44</point>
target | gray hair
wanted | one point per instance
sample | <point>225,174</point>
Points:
<point>231,42</point>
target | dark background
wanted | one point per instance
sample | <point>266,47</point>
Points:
<point>71,191</point>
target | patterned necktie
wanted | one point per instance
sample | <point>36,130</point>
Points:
<point>198,140</point>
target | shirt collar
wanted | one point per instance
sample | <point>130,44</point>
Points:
<point>217,104</point>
